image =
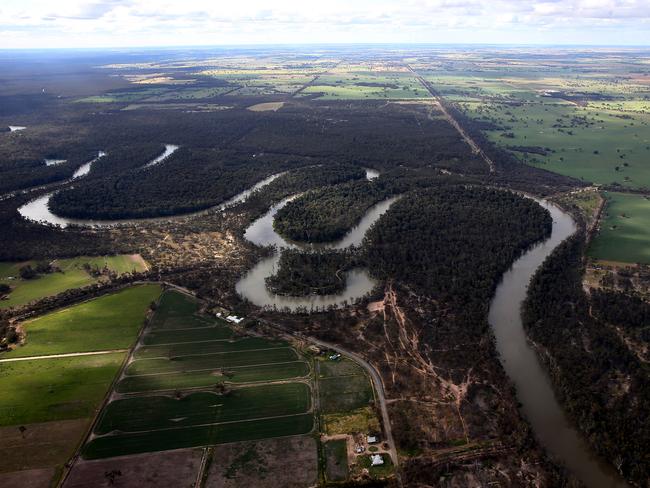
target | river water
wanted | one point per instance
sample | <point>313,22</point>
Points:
<point>84,169</point>
<point>534,390</point>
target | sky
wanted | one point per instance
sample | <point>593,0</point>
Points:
<point>135,23</point>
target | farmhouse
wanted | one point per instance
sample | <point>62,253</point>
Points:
<point>376,460</point>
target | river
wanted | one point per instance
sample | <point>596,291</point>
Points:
<point>84,169</point>
<point>534,390</point>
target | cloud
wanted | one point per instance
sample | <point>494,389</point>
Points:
<point>149,21</point>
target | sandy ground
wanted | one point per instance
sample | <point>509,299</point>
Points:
<point>169,469</point>
<point>291,462</point>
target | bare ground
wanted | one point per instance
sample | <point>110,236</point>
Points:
<point>169,469</point>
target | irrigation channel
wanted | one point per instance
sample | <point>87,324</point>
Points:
<point>534,390</point>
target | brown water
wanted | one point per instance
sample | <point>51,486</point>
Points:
<point>534,391</point>
<point>358,282</point>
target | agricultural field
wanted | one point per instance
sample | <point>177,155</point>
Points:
<point>192,382</point>
<point>65,274</point>
<point>110,322</point>
<point>48,403</point>
<point>366,81</point>
<point>624,234</point>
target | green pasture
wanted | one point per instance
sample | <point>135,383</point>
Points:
<point>625,230</point>
<point>72,275</point>
<point>336,460</point>
<point>211,361</point>
<point>207,347</point>
<point>140,414</point>
<point>104,323</point>
<point>55,389</point>
<point>161,440</point>
<point>211,378</point>
<point>168,337</point>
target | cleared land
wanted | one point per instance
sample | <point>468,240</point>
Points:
<point>237,399</point>
<point>106,323</point>
<point>73,274</point>
<point>336,460</point>
<point>270,463</point>
<point>625,230</point>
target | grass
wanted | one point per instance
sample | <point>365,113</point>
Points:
<point>211,361</point>
<point>206,379</point>
<point>105,323</point>
<point>336,458</point>
<point>162,412</point>
<point>344,394</point>
<point>207,347</point>
<point>161,440</point>
<point>55,389</point>
<point>165,337</point>
<point>73,275</point>
<point>625,230</point>
<point>360,420</point>
<point>376,471</point>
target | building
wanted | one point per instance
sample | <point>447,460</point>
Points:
<point>373,439</point>
<point>376,460</point>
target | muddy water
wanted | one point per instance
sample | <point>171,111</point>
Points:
<point>38,210</point>
<point>358,282</point>
<point>169,150</point>
<point>84,169</point>
<point>534,390</point>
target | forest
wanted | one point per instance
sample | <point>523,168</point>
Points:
<point>601,383</point>
<point>454,242</point>
<point>326,214</point>
<point>311,273</point>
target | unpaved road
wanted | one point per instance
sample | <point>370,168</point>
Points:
<point>475,147</point>
<point>65,355</point>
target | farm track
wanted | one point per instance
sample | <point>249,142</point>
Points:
<point>64,355</point>
<point>476,149</point>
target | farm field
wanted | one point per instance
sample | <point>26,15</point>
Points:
<point>105,323</point>
<point>346,395</point>
<point>74,274</point>
<point>225,388</point>
<point>625,230</point>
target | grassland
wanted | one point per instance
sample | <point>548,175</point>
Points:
<point>625,230</point>
<point>73,275</point>
<point>55,389</point>
<point>336,460</point>
<point>106,323</point>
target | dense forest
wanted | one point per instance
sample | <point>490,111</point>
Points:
<point>454,242</point>
<point>208,176</point>
<point>311,273</point>
<point>601,382</point>
<point>326,214</point>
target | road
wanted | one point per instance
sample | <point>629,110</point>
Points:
<point>65,355</point>
<point>476,149</point>
<point>374,375</point>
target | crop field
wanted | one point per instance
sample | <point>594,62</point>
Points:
<point>105,323</point>
<point>187,390</point>
<point>336,460</point>
<point>366,81</point>
<point>625,230</point>
<point>346,396</point>
<point>55,389</point>
<point>74,274</point>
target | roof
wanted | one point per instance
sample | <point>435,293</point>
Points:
<point>376,460</point>
<point>372,439</point>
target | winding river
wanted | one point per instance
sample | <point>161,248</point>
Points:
<point>534,389</point>
<point>358,282</point>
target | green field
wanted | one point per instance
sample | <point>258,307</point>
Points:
<point>336,460</point>
<point>625,230</point>
<point>160,440</point>
<point>211,361</point>
<point>210,378</point>
<point>105,323</point>
<point>72,275</point>
<point>168,337</point>
<point>55,389</point>
<point>206,347</point>
<point>162,412</point>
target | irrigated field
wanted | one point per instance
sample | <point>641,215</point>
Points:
<point>74,273</point>
<point>625,230</point>
<point>190,383</point>
<point>106,323</point>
